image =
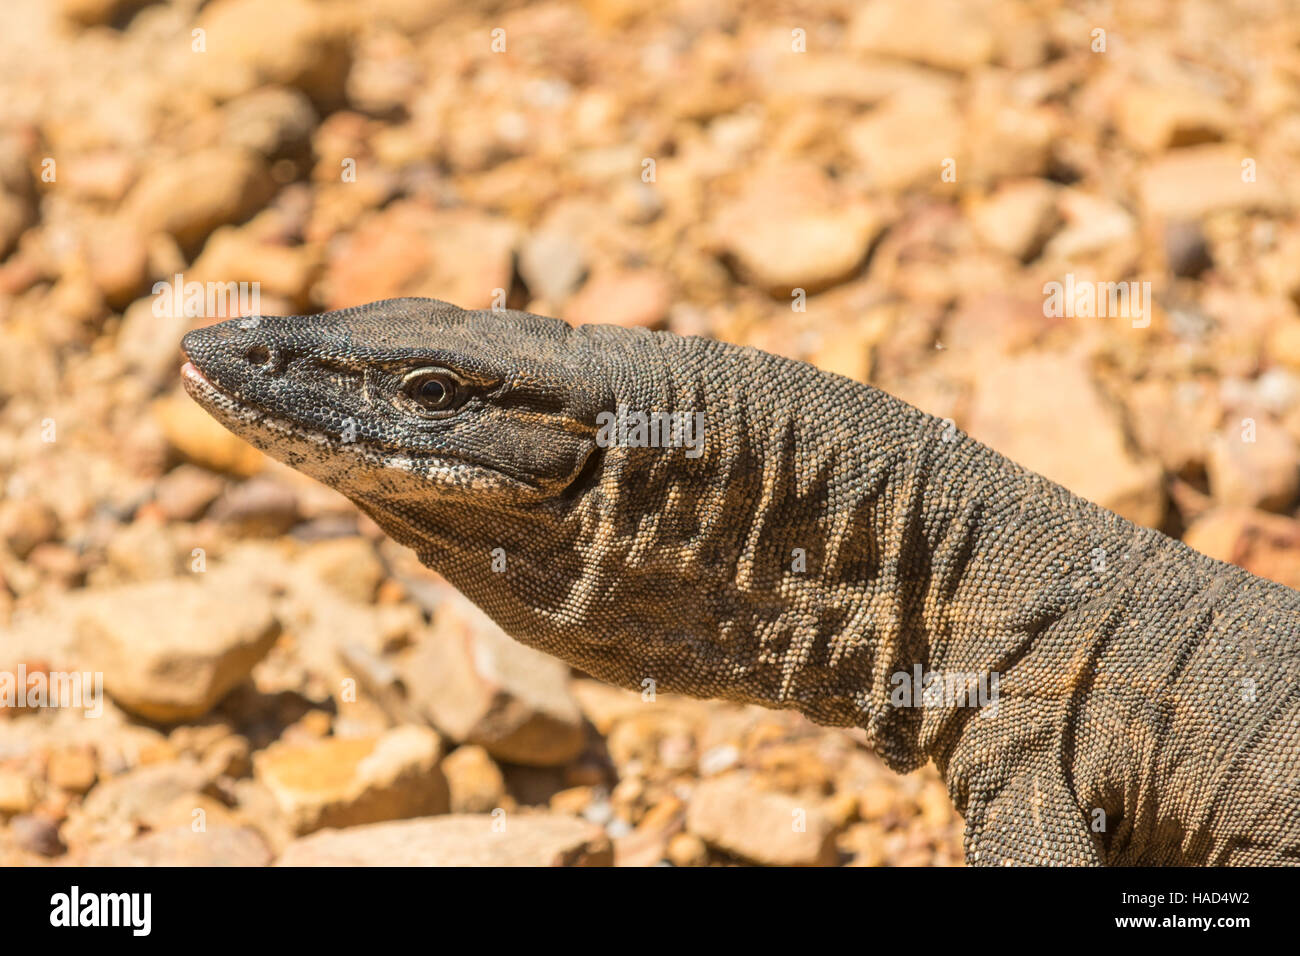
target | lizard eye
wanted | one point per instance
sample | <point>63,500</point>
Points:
<point>432,389</point>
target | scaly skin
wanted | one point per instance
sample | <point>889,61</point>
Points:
<point>827,538</point>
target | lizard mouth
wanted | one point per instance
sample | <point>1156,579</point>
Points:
<point>190,371</point>
<point>199,386</point>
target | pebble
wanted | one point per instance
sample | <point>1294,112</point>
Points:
<point>1019,406</point>
<point>345,782</point>
<point>477,685</point>
<point>176,666</point>
<point>474,779</point>
<point>731,813</point>
<point>191,196</point>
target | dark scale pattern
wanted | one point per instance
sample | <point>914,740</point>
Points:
<point>1138,679</point>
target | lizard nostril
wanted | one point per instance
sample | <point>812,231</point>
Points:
<point>257,354</point>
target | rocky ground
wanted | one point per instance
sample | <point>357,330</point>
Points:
<point>882,188</point>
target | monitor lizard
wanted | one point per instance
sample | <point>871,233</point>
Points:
<point>713,520</point>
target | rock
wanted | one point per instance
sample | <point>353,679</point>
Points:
<point>182,846</point>
<point>17,793</point>
<point>309,48</point>
<point>936,806</point>
<point>59,563</point>
<point>994,323</point>
<point>185,492</point>
<point>477,685</point>
<point>627,297</point>
<point>195,812</point>
<point>879,800</point>
<point>533,786</point>
<point>101,176</point>
<point>192,195</point>
<point>1190,183</point>
<point>219,751</point>
<point>906,142</point>
<point>1277,267</point>
<point>16,214</point>
<point>285,273</point>
<point>36,834</point>
<point>117,808</point>
<point>237,255</point>
<point>257,508</point>
<point>149,340</point>
<point>652,739</point>
<point>378,679</point>
<point>732,814</point>
<point>718,759</point>
<point>638,203</point>
<point>1187,252</point>
<point>202,439</point>
<point>687,849</point>
<point>575,801</point>
<point>170,650</point>
<point>26,523</point>
<point>1021,406</point>
<point>790,229</point>
<point>910,30</point>
<point>1284,343</point>
<point>229,757</point>
<point>474,779</point>
<point>862,81</point>
<point>407,249</point>
<point>866,843</point>
<point>1254,464</point>
<point>1264,544</point>
<point>1154,119</point>
<point>552,264</point>
<point>17,189</point>
<point>462,840</point>
<point>72,768</point>
<point>273,121</point>
<point>93,13</point>
<point>343,782</point>
<point>605,705</point>
<point>143,551</point>
<point>1005,141</point>
<point>1174,423</point>
<point>410,16</point>
<point>648,844</point>
<point>1092,225</point>
<point>1017,218</point>
<point>117,257</point>
<point>349,565</point>
<point>335,631</point>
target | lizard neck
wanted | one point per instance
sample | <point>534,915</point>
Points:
<point>836,551</point>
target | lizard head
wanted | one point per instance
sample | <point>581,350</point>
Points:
<point>406,401</point>
<point>483,441</point>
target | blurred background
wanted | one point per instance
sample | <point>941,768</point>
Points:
<point>887,189</point>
